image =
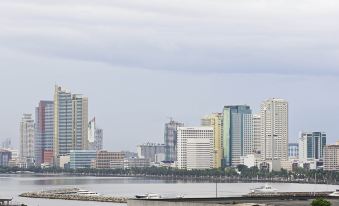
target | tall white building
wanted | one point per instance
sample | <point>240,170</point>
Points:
<point>95,136</point>
<point>274,129</point>
<point>195,148</point>
<point>27,137</point>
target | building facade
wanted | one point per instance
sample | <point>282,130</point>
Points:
<point>257,133</point>
<point>27,137</point>
<point>331,157</point>
<point>170,140</point>
<point>215,120</point>
<point>150,151</point>
<point>134,163</point>
<point>293,151</point>
<point>5,157</point>
<point>82,158</point>
<point>104,159</point>
<point>237,133</point>
<point>95,136</point>
<point>195,148</point>
<point>311,146</point>
<point>70,122</point>
<point>44,131</point>
<point>274,129</point>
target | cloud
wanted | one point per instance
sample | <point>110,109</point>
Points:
<point>217,36</point>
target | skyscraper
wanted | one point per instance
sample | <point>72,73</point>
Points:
<point>274,130</point>
<point>95,136</point>
<point>215,121</point>
<point>44,131</point>
<point>27,137</point>
<point>311,146</point>
<point>170,139</point>
<point>237,133</point>
<point>195,148</point>
<point>70,122</point>
<point>257,133</point>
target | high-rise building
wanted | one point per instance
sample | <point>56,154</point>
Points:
<point>311,146</point>
<point>5,157</point>
<point>195,148</point>
<point>331,157</point>
<point>215,120</point>
<point>257,133</point>
<point>27,137</point>
<point>44,131</point>
<point>237,133</point>
<point>6,144</point>
<point>170,139</point>
<point>274,129</point>
<point>95,136</point>
<point>150,151</point>
<point>293,150</point>
<point>70,122</point>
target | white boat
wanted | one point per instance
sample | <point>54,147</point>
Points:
<point>334,194</point>
<point>86,192</point>
<point>148,196</point>
<point>264,189</point>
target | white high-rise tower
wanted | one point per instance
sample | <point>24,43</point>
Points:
<point>274,129</point>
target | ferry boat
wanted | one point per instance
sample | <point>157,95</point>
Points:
<point>86,192</point>
<point>264,189</point>
<point>335,194</point>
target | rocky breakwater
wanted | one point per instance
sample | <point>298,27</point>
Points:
<point>73,194</point>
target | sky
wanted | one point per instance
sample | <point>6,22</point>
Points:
<point>142,62</point>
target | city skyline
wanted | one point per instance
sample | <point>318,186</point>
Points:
<point>155,60</point>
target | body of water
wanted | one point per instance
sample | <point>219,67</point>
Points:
<point>13,185</point>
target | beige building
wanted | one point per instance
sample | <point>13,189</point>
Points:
<point>70,122</point>
<point>274,129</point>
<point>215,121</point>
<point>27,137</point>
<point>331,157</point>
<point>104,159</point>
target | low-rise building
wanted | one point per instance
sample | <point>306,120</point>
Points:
<point>136,163</point>
<point>104,159</point>
<point>81,158</point>
<point>150,151</point>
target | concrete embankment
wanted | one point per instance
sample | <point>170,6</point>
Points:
<point>71,194</point>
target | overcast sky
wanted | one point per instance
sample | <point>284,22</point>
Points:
<point>143,61</point>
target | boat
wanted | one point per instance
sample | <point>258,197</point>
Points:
<point>335,193</point>
<point>86,192</point>
<point>149,196</point>
<point>264,189</point>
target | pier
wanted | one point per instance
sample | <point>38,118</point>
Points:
<point>71,194</point>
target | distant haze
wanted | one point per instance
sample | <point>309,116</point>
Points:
<point>141,62</point>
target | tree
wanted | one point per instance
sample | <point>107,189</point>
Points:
<point>320,202</point>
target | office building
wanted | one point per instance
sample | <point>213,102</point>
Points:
<point>170,140</point>
<point>5,157</point>
<point>44,131</point>
<point>215,121</point>
<point>70,122</point>
<point>7,143</point>
<point>150,151</point>
<point>293,151</point>
<point>81,158</point>
<point>105,159</point>
<point>237,133</point>
<point>195,148</point>
<point>27,138</point>
<point>95,136</point>
<point>274,129</point>
<point>311,146</point>
<point>331,157</point>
